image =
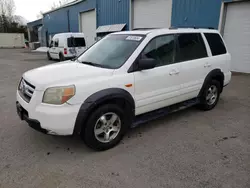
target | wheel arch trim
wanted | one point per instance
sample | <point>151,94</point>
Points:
<point>212,74</point>
<point>98,98</point>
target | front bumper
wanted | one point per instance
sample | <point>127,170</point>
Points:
<point>49,119</point>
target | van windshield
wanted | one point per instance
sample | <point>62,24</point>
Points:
<point>112,51</point>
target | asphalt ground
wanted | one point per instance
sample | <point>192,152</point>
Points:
<point>189,148</point>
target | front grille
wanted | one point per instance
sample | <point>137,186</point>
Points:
<point>26,90</point>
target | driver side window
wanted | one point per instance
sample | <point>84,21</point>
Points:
<point>51,44</point>
<point>161,49</point>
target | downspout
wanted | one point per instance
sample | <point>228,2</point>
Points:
<point>68,21</point>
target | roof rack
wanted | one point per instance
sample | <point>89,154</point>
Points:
<point>194,27</point>
<point>143,28</point>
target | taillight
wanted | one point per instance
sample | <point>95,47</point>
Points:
<point>65,51</point>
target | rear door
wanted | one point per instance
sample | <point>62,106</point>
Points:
<point>80,45</point>
<point>193,58</point>
<point>76,45</point>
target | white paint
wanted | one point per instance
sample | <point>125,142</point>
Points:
<point>152,89</point>
<point>151,13</point>
<point>237,35</point>
<point>12,40</point>
<point>88,26</point>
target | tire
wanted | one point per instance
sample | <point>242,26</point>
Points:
<point>61,57</point>
<point>210,95</point>
<point>48,56</point>
<point>95,125</point>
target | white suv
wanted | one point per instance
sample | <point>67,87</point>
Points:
<point>125,79</point>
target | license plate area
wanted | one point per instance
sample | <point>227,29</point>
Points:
<point>22,113</point>
<point>19,110</point>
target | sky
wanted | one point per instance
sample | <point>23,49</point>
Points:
<point>29,9</point>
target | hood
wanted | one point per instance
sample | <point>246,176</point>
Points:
<point>62,73</point>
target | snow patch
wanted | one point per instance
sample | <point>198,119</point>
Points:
<point>41,49</point>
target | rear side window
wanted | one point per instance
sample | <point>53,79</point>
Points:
<point>190,46</point>
<point>216,44</point>
<point>76,42</point>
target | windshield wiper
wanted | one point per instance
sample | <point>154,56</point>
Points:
<point>92,64</point>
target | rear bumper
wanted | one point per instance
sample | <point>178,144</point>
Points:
<point>227,78</point>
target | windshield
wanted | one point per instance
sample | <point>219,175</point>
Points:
<point>112,51</point>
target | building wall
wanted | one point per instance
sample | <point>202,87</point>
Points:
<point>57,21</point>
<point>196,13</point>
<point>113,12</point>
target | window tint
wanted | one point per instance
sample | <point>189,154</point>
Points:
<point>216,44</point>
<point>76,42</point>
<point>190,46</point>
<point>161,49</point>
<point>51,43</point>
<point>56,43</point>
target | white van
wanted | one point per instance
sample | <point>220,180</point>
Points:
<point>65,46</point>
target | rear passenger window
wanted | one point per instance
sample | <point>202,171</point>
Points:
<point>216,44</point>
<point>190,46</point>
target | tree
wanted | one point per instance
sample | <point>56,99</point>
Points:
<point>7,8</point>
<point>10,23</point>
<point>39,15</point>
<point>59,3</point>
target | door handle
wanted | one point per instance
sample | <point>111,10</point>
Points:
<point>173,72</point>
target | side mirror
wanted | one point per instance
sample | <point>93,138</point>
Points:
<point>149,63</point>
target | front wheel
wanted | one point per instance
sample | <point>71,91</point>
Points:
<point>210,95</point>
<point>105,127</point>
<point>48,56</point>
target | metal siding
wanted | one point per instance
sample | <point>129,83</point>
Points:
<point>196,13</point>
<point>113,12</point>
<point>56,22</point>
<point>35,23</point>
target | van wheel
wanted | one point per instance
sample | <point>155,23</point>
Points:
<point>48,56</point>
<point>210,95</point>
<point>61,57</point>
<point>105,127</point>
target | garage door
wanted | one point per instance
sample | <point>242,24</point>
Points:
<point>237,35</point>
<point>151,13</point>
<point>88,26</point>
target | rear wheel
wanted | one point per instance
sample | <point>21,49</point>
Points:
<point>105,127</point>
<point>61,57</point>
<point>210,95</point>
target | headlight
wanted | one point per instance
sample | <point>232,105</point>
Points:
<point>58,95</point>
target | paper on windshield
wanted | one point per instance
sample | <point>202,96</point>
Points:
<point>134,38</point>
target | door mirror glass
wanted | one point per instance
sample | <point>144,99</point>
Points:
<point>147,63</point>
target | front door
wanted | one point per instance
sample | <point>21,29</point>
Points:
<point>158,87</point>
